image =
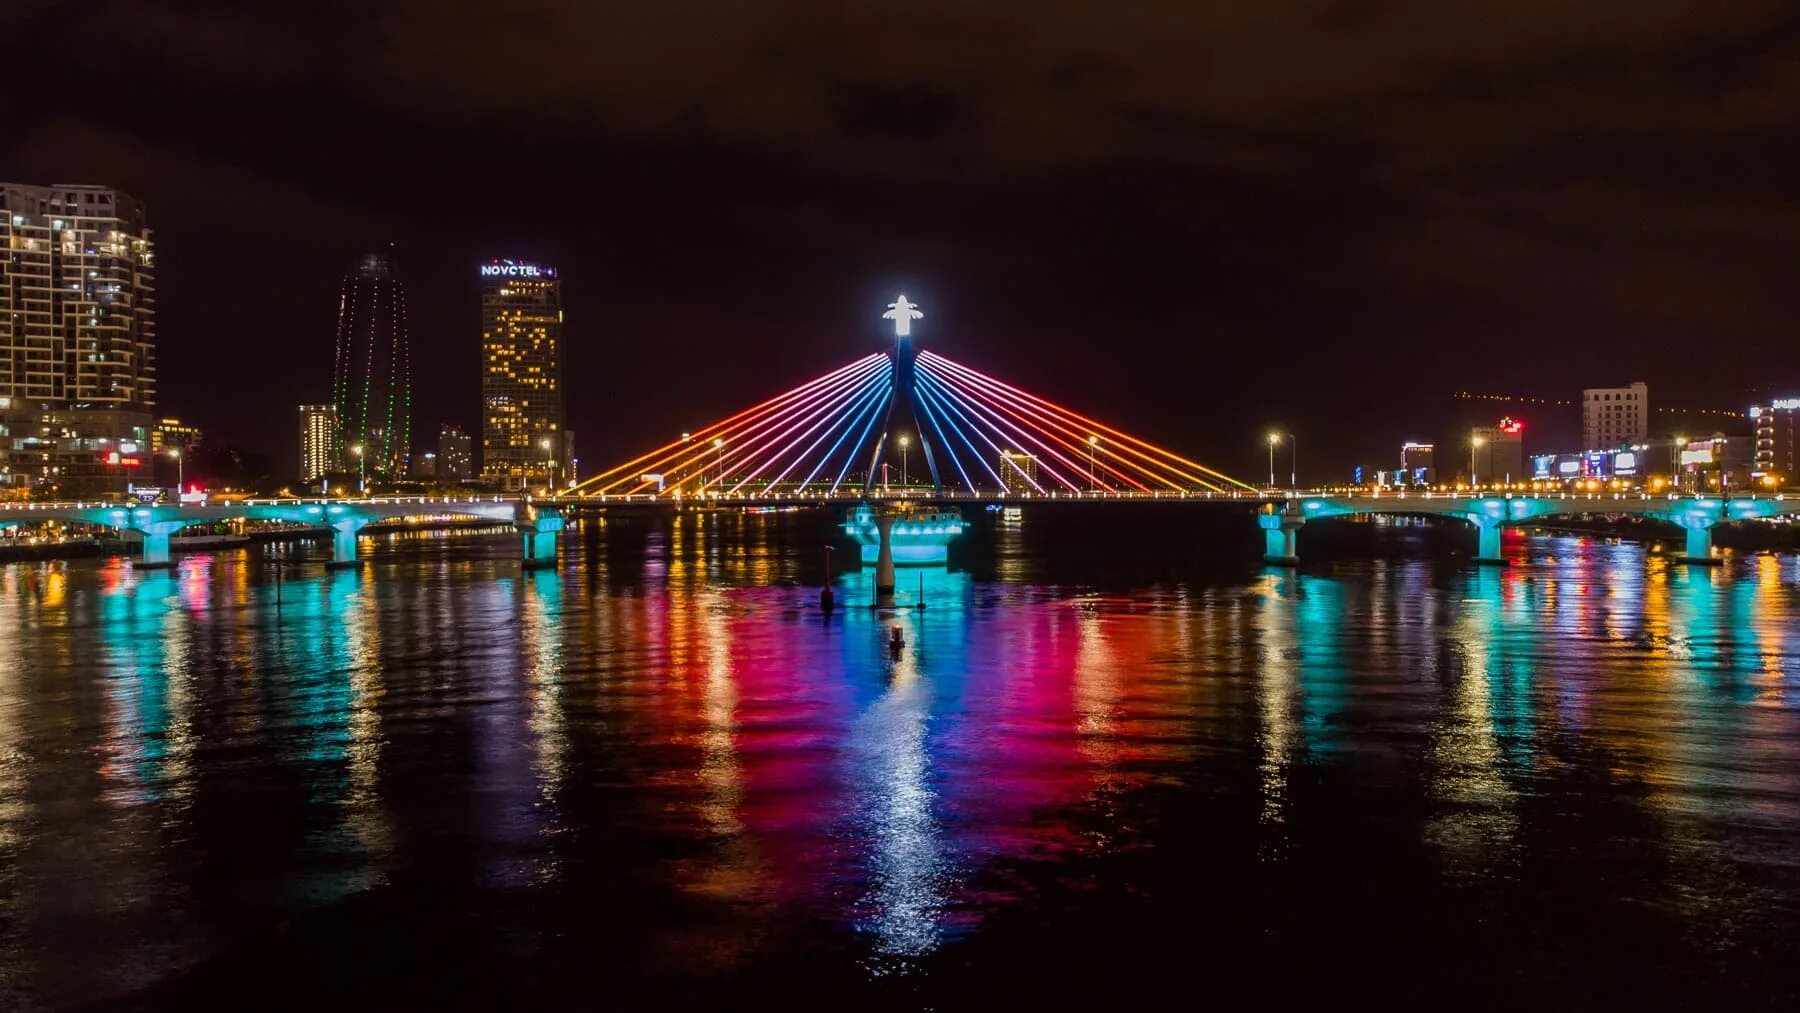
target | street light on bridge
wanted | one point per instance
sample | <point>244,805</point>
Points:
<point>1274,438</point>
<point>361,476</point>
<point>1475,443</point>
<point>180,478</point>
<point>1093,441</point>
<point>905,441</point>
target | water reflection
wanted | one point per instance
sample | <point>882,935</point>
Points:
<point>667,734</point>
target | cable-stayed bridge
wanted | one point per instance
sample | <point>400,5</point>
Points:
<point>913,420</point>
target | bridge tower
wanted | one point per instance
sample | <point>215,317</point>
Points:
<point>903,312</point>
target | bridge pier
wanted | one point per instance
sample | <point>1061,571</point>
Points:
<point>156,544</point>
<point>1699,545</point>
<point>884,560</point>
<point>1280,537</point>
<point>344,531</point>
<point>1487,539</point>
<point>540,528</point>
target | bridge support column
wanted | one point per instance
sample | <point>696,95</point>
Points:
<point>1699,545</point>
<point>344,532</point>
<point>540,534</point>
<point>884,560</point>
<point>1487,539</point>
<point>1280,538</point>
<point>156,545</point>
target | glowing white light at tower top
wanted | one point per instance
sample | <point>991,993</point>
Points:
<point>902,313</point>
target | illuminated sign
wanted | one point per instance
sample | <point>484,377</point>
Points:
<point>1568,467</point>
<point>196,496</point>
<point>1624,462</point>
<point>146,494</point>
<point>130,462</point>
<point>1512,426</point>
<point>514,269</point>
<point>1786,404</point>
<point>1698,456</point>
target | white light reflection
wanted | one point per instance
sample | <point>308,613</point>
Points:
<point>908,871</point>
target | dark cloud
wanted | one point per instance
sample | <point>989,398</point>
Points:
<point>1196,218</point>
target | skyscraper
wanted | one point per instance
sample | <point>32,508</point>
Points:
<point>521,375</point>
<point>371,383</point>
<point>77,337</point>
<point>1777,454</point>
<point>321,441</point>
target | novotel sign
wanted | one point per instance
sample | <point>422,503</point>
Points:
<point>509,269</point>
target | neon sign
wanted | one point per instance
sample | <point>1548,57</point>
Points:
<point>516,269</point>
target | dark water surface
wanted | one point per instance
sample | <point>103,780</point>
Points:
<point>1117,761</point>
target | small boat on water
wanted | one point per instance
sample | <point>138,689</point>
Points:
<point>921,535</point>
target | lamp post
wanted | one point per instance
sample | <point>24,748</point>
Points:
<point>719,445</point>
<point>1093,441</point>
<point>361,476</point>
<point>1475,443</point>
<point>180,478</point>
<point>1274,438</point>
<point>549,463</point>
<point>905,441</point>
<point>1674,457</point>
<point>1293,461</point>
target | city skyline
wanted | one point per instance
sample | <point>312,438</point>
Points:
<point>1463,219</point>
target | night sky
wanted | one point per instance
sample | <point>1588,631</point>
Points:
<point>1195,221</point>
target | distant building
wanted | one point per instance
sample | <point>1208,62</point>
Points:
<point>77,338</point>
<point>1776,462</point>
<point>1717,463</point>
<point>521,375</point>
<point>568,475</point>
<point>425,466</point>
<point>172,434</point>
<point>371,381</point>
<point>1613,417</point>
<point>1018,471</point>
<point>1497,452</point>
<point>455,454</point>
<point>1417,465</point>
<point>321,441</point>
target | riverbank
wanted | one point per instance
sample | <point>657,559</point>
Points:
<point>101,547</point>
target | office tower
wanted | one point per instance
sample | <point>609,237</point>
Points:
<point>372,378</point>
<point>321,441</point>
<point>455,455</point>
<point>1777,460</point>
<point>521,375</point>
<point>1614,417</point>
<point>77,337</point>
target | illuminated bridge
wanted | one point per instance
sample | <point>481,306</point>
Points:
<point>1697,516</point>
<point>153,524</point>
<point>906,419</point>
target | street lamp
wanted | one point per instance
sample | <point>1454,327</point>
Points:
<point>175,452</point>
<point>1674,454</point>
<point>361,476</point>
<point>1293,461</point>
<point>905,441</point>
<point>1475,443</point>
<point>549,463</point>
<point>1093,441</point>
<point>1274,438</point>
<point>719,445</point>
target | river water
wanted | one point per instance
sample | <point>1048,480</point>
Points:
<point>1116,760</point>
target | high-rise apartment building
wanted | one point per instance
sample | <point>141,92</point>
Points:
<point>173,434</point>
<point>1777,457</point>
<point>321,441</point>
<point>77,337</point>
<point>371,381</point>
<point>522,431</point>
<point>455,454</point>
<point>1614,417</point>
